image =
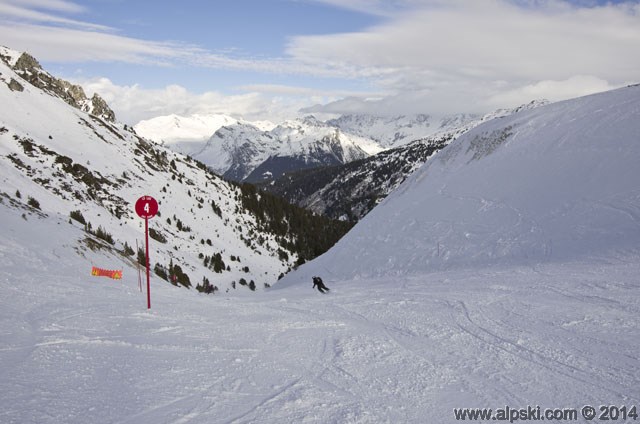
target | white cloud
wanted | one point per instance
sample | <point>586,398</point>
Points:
<point>490,39</point>
<point>77,45</point>
<point>470,54</point>
<point>59,5</point>
<point>375,7</point>
<point>34,11</point>
<point>467,97</point>
<point>289,90</point>
<point>134,103</point>
<point>432,56</point>
<point>576,86</point>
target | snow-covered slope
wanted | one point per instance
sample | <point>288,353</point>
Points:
<point>554,183</point>
<point>78,349</point>
<point>62,159</point>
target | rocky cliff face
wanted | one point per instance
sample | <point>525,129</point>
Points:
<point>27,67</point>
<point>100,108</point>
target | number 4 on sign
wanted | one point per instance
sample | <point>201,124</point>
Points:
<point>146,207</point>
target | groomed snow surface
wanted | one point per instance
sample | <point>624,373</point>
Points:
<point>81,349</point>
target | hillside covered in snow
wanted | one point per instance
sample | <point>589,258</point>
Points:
<point>551,184</point>
<point>78,349</point>
<point>65,162</point>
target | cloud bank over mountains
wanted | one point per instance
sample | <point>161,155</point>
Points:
<point>423,56</point>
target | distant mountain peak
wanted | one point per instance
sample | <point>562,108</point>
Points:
<point>397,130</point>
<point>174,128</point>
<point>312,120</point>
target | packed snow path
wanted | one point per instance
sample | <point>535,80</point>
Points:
<point>79,349</point>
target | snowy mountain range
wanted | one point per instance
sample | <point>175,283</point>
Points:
<point>248,151</point>
<point>396,131</point>
<point>67,160</point>
<point>259,152</point>
<point>255,155</point>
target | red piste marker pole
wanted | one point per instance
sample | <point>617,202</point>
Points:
<point>147,207</point>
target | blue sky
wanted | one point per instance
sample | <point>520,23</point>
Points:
<point>273,59</point>
<point>240,29</point>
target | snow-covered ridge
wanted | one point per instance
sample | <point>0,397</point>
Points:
<point>554,183</point>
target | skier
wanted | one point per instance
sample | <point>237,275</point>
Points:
<point>317,282</point>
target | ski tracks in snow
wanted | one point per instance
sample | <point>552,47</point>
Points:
<point>383,351</point>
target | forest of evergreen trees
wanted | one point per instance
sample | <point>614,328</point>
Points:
<point>296,229</point>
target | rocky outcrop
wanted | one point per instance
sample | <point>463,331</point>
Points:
<point>71,93</point>
<point>15,85</point>
<point>26,62</point>
<point>101,109</point>
<point>31,71</point>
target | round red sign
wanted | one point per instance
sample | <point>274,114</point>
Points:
<point>146,207</point>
